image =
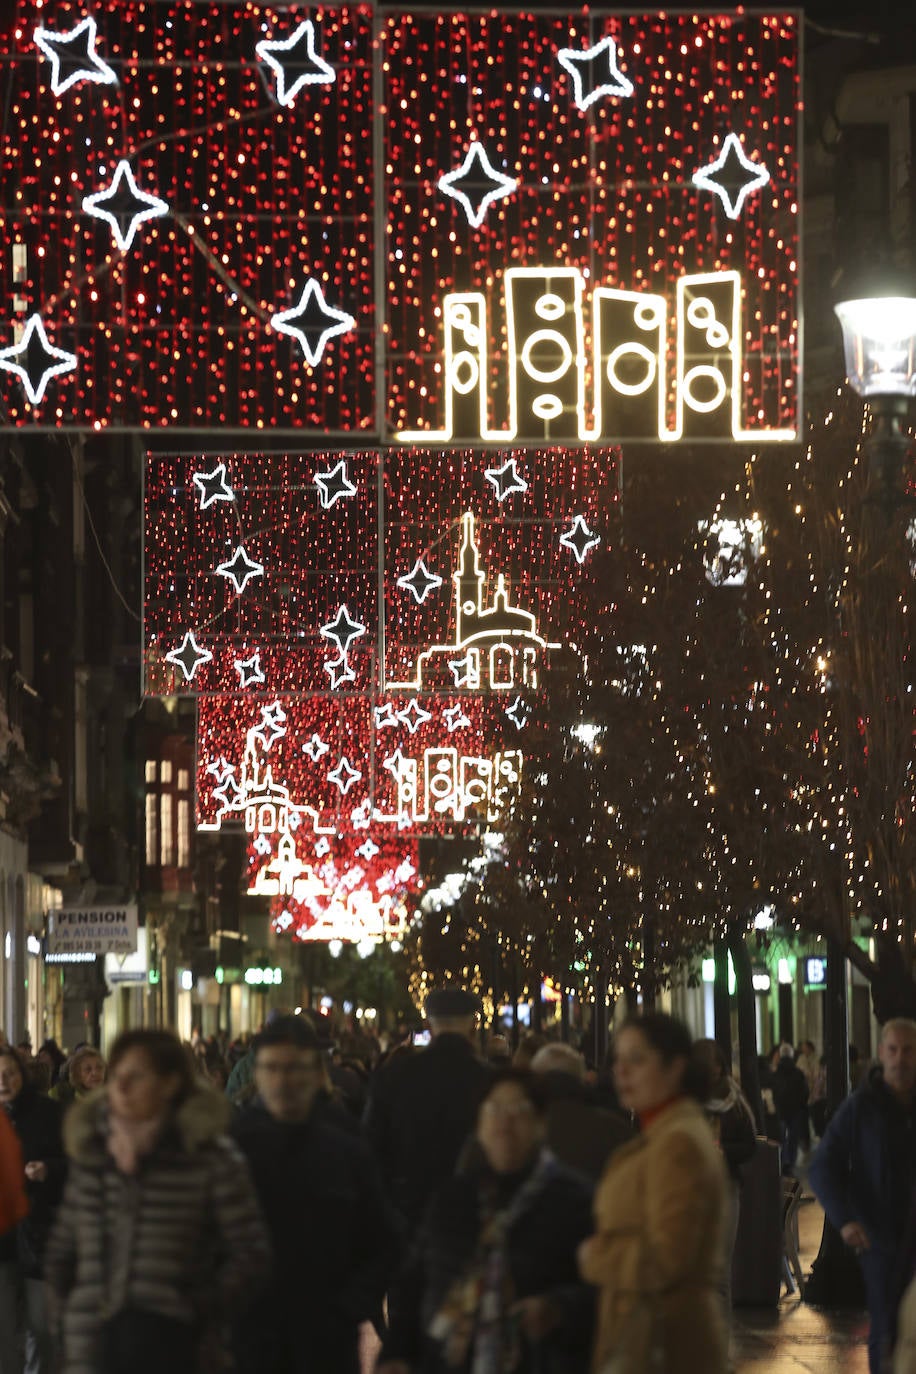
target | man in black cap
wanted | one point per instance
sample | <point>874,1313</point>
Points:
<point>422,1106</point>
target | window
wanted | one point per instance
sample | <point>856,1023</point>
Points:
<point>152,829</point>
<point>150,770</point>
<point>184,780</point>
<point>184,832</point>
<point>167,843</point>
<point>165,770</point>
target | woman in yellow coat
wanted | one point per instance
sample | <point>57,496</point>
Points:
<point>657,1253</point>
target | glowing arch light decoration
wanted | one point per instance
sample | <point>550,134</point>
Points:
<point>305,223</point>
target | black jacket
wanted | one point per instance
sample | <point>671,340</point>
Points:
<point>334,1244</point>
<point>421,1110</point>
<point>581,1133</point>
<point>542,1248</point>
<point>790,1090</point>
<point>38,1121</point>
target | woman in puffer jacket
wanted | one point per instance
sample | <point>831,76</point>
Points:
<point>159,1235</point>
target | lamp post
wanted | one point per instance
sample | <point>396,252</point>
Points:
<point>879,339</point>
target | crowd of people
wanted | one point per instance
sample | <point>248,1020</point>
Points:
<point>289,1209</point>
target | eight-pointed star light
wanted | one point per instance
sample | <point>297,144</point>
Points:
<point>35,361</point>
<point>73,56</point>
<point>595,72</point>
<point>295,62</point>
<point>476,185</point>
<point>124,206</point>
<point>313,322</point>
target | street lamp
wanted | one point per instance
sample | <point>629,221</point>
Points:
<point>879,339</point>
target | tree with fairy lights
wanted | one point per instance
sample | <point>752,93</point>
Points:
<point>836,631</point>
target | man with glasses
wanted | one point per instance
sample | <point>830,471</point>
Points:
<point>332,1235</point>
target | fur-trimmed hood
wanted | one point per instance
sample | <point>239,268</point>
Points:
<point>199,1121</point>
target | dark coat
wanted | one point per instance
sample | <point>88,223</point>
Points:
<point>334,1241</point>
<point>421,1109</point>
<point>181,1238</point>
<point>38,1122</point>
<point>541,1253</point>
<point>790,1090</point>
<point>865,1165</point>
<point>582,1134</point>
<point>734,1127</point>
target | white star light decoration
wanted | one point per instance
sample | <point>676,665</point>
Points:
<point>343,630</point>
<point>334,485</point>
<point>518,713</point>
<point>315,747</point>
<point>600,63</point>
<point>189,656</point>
<point>344,775</point>
<point>413,715</point>
<point>420,582</point>
<point>249,670</point>
<point>476,185</point>
<point>339,671</point>
<point>240,570</point>
<point>580,539</point>
<point>124,206</point>
<point>273,724</point>
<point>296,54</point>
<point>213,486</point>
<point>33,348</point>
<point>732,198</point>
<point>71,50</point>
<point>454,717</point>
<point>317,322</point>
<point>505,480</point>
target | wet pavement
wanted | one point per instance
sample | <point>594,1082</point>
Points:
<point>796,1338</point>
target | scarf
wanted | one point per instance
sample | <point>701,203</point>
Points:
<point>130,1141</point>
<point>473,1322</point>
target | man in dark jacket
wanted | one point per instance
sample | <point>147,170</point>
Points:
<point>790,1094</point>
<point>333,1235</point>
<point>864,1171</point>
<point>582,1134</point>
<point>422,1107</point>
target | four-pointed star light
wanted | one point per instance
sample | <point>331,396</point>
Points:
<point>580,539</point>
<point>732,177</point>
<point>595,73</point>
<point>124,206</point>
<point>73,56</point>
<point>313,322</point>
<point>334,485</point>
<point>35,361</point>
<point>295,62</point>
<point>476,185</point>
<point>420,582</point>
<point>240,569</point>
